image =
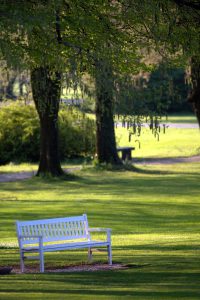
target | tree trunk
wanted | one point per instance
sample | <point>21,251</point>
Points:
<point>46,94</point>
<point>10,86</point>
<point>105,134</point>
<point>194,97</point>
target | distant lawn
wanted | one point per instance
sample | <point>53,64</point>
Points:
<point>182,118</point>
<point>32,167</point>
<point>154,215</point>
<point>174,143</point>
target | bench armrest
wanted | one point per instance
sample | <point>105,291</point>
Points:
<point>99,229</point>
<point>36,237</point>
<point>107,230</point>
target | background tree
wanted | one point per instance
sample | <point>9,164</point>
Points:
<point>194,96</point>
<point>162,90</point>
<point>49,36</point>
<point>29,36</point>
<point>174,30</point>
<point>45,35</point>
<point>105,135</point>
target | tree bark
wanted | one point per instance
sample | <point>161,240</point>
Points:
<point>194,96</point>
<point>105,134</point>
<point>46,86</point>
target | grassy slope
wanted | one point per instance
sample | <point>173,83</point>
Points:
<point>154,215</point>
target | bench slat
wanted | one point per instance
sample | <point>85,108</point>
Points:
<point>58,229</point>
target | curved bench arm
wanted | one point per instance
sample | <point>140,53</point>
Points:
<point>99,229</point>
<point>107,230</point>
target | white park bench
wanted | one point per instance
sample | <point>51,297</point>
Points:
<point>58,234</point>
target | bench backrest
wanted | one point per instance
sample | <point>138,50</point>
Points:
<point>54,229</point>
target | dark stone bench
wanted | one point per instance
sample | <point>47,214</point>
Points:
<point>126,152</point>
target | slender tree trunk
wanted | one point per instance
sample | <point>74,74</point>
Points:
<point>46,94</point>
<point>194,97</point>
<point>105,134</point>
<point>10,86</point>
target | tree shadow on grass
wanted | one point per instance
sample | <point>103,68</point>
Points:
<point>129,167</point>
<point>137,284</point>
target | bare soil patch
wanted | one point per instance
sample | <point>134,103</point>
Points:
<point>75,268</point>
<point>16,176</point>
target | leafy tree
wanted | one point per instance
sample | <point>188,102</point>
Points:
<point>45,35</point>
<point>49,37</point>
<point>188,23</point>
<point>160,91</point>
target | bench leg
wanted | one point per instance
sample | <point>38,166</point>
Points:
<point>22,261</point>
<point>126,155</point>
<point>89,254</point>
<point>41,262</point>
<point>109,255</point>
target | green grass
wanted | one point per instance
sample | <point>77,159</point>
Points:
<point>174,143</point>
<point>32,167</point>
<point>154,215</point>
<point>181,118</point>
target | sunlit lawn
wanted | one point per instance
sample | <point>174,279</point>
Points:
<point>154,214</point>
<point>181,118</point>
<point>174,143</point>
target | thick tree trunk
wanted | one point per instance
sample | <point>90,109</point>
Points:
<point>46,95</point>
<point>194,97</point>
<point>105,134</point>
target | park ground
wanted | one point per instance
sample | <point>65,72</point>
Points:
<point>153,212</point>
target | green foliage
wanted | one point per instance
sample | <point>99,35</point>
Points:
<point>77,133</point>
<point>19,133</point>
<point>167,89</point>
<point>157,93</point>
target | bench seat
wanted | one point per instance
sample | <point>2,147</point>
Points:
<point>126,152</point>
<point>67,246</point>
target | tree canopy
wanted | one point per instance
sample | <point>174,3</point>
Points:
<point>104,38</point>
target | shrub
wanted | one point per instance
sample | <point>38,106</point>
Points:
<point>19,133</point>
